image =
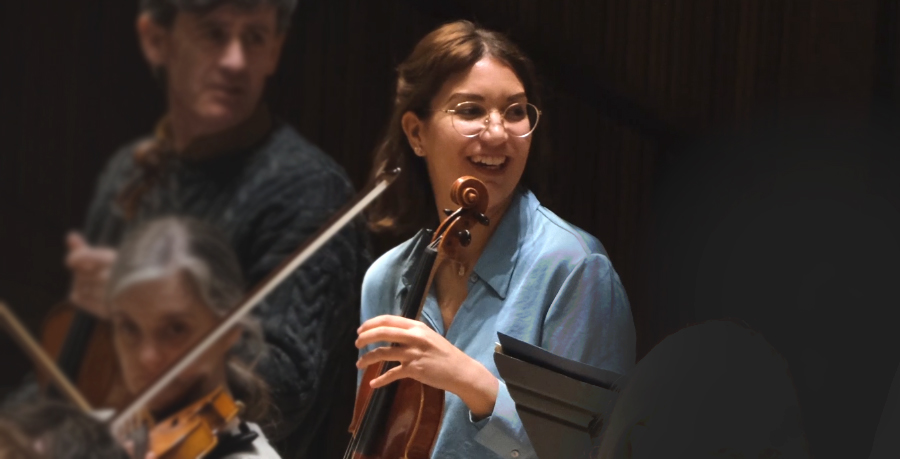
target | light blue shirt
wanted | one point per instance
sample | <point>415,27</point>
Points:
<point>540,280</point>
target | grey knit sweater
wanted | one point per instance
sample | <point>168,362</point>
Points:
<point>268,199</point>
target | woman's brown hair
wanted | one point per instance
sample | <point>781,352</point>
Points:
<point>408,205</point>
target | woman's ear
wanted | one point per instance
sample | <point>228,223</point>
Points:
<point>412,127</point>
<point>152,37</point>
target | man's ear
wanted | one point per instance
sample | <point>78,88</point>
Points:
<point>412,127</point>
<point>153,40</point>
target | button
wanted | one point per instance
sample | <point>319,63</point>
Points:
<point>514,453</point>
<point>474,278</point>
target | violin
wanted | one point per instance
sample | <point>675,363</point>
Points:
<point>402,419</point>
<point>82,347</point>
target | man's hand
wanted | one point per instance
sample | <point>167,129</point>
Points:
<point>90,268</point>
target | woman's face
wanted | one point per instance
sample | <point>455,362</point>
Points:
<point>496,156</point>
<point>154,323</point>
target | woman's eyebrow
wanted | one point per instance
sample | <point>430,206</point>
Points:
<point>465,96</point>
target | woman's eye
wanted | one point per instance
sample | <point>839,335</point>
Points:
<point>126,328</point>
<point>516,113</point>
<point>175,330</point>
<point>470,111</point>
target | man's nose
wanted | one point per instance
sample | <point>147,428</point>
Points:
<point>234,57</point>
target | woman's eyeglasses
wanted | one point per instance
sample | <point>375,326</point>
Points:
<point>470,119</point>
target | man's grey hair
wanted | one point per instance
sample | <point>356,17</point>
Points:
<point>164,11</point>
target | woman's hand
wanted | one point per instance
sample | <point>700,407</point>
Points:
<point>429,358</point>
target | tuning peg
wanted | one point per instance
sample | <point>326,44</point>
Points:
<point>465,238</point>
<point>448,212</point>
<point>483,219</point>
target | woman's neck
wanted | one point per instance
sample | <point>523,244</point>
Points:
<point>452,276</point>
<point>481,234</point>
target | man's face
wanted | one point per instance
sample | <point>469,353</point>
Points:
<point>216,64</point>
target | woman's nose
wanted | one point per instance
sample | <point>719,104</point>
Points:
<point>149,357</point>
<point>495,129</point>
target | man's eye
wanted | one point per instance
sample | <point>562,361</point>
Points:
<point>254,38</point>
<point>216,35</point>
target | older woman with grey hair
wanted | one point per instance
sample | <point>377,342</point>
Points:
<point>173,280</point>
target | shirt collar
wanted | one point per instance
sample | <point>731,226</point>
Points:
<point>238,138</point>
<point>497,262</point>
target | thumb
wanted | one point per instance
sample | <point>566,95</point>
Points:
<point>75,241</point>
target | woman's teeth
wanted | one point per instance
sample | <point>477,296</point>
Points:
<point>488,160</point>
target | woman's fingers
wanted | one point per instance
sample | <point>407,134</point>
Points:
<point>388,377</point>
<point>383,354</point>
<point>389,334</point>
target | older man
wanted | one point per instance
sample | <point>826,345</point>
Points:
<point>219,155</point>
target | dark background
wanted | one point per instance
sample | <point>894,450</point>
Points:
<point>736,158</point>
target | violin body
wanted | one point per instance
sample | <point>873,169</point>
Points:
<point>414,404</point>
<point>191,433</point>
<point>83,348</point>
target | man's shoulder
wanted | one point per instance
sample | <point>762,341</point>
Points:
<point>123,157</point>
<point>287,154</point>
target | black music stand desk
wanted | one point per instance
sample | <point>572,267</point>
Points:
<point>562,403</point>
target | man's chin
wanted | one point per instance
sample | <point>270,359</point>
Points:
<point>219,117</point>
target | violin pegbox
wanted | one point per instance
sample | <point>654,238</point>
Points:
<point>455,231</point>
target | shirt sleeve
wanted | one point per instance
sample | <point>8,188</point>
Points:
<point>589,320</point>
<point>308,321</point>
<point>377,297</point>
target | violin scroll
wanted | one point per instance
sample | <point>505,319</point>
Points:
<point>472,196</point>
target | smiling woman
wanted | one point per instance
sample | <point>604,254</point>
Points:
<point>467,104</point>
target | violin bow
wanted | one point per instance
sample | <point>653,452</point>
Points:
<point>313,244</point>
<point>40,357</point>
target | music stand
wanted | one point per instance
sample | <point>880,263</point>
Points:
<point>562,403</point>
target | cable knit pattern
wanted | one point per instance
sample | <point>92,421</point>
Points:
<point>268,201</point>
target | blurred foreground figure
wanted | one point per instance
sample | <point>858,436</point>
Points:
<point>794,226</point>
<point>218,155</point>
<point>716,389</point>
<point>52,430</point>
